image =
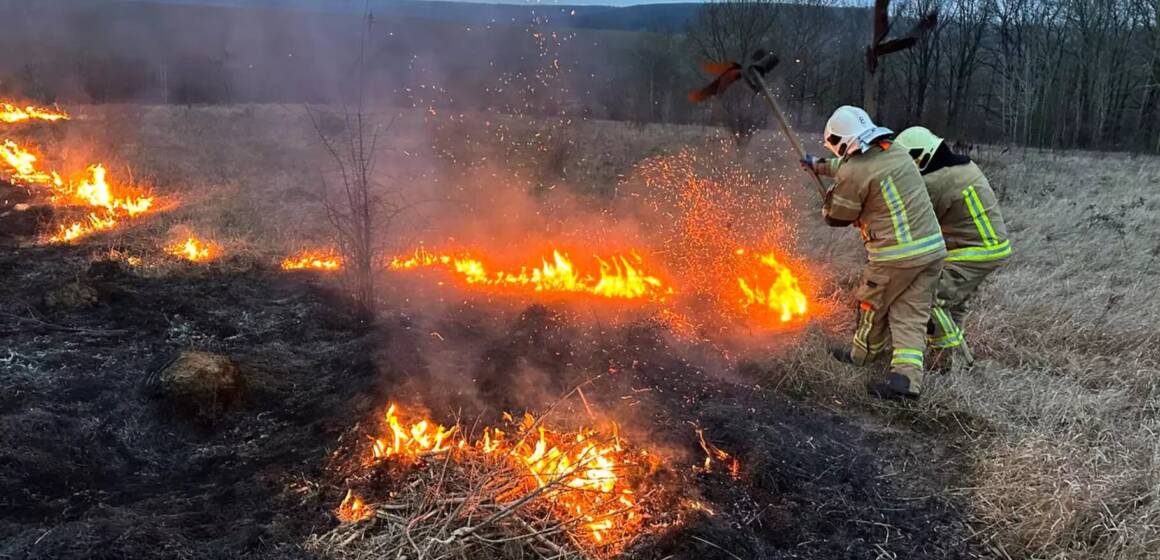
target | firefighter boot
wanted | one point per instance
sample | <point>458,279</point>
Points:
<point>842,354</point>
<point>896,387</point>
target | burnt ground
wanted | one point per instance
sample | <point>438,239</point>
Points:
<point>95,465</point>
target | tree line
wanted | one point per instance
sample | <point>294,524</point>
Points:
<point>1046,73</point>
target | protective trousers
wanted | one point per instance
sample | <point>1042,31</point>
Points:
<point>894,305</point>
<point>958,283</point>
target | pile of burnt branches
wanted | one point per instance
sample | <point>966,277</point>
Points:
<point>464,504</point>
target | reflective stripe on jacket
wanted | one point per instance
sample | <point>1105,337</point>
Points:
<point>968,213</point>
<point>882,192</point>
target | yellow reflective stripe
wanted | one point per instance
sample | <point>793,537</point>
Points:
<point>948,325</point>
<point>979,215</point>
<point>897,211</point>
<point>953,335</point>
<point>863,331</point>
<point>947,341</point>
<point>907,356</point>
<point>929,244</point>
<point>980,254</point>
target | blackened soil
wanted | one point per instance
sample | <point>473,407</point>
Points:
<point>94,465</point>
<point>811,483</point>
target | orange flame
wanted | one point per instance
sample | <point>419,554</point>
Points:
<point>317,260</point>
<point>193,249</point>
<point>91,190</point>
<point>581,473</point>
<point>76,230</point>
<point>782,296</point>
<point>352,509</point>
<point>10,113</point>
<point>618,276</point>
<point>714,453</point>
<point>94,191</point>
<point>22,166</point>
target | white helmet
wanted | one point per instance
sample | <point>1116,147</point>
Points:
<point>850,130</point>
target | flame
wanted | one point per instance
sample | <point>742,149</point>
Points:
<point>94,191</point>
<point>783,296</point>
<point>313,259</point>
<point>618,276</point>
<point>714,453</point>
<point>76,230</point>
<point>91,190</point>
<point>352,509</point>
<point>10,113</point>
<point>193,249</point>
<point>22,166</point>
<point>580,474</point>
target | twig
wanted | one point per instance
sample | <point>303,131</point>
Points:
<point>718,547</point>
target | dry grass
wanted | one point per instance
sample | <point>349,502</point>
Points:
<point>456,510</point>
<point>1061,414</point>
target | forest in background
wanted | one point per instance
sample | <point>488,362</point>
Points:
<point>1048,73</point>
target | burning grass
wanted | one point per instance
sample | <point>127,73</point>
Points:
<point>614,277</point>
<point>763,289</point>
<point>194,249</point>
<point>313,260</point>
<point>11,114</point>
<point>440,493</point>
<point>104,205</point>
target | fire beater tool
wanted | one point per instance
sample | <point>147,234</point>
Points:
<point>760,64</point>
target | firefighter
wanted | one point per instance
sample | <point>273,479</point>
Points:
<point>878,189</point>
<point>972,226</point>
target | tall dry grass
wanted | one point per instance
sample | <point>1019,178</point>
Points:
<point>1060,413</point>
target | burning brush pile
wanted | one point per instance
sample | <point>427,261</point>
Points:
<point>426,490</point>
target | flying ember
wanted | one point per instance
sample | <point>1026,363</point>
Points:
<point>618,276</point>
<point>583,476</point>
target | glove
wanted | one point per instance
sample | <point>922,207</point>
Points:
<point>811,162</point>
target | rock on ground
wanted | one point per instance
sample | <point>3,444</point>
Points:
<point>202,383</point>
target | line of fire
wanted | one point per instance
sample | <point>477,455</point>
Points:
<point>587,483</point>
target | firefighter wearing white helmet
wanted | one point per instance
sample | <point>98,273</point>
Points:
<point>972,225</point>
<point>878,189</point>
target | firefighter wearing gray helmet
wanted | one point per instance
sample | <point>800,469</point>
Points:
<point>878,189</point>
<point>976,236</point>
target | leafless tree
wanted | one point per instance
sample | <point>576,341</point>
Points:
<point>969,21</point>
<point>358,208</point>
<point>731,30</point>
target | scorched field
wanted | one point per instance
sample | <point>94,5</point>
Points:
<point>590,340</point>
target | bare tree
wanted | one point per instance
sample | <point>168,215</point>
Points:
<point>731,30</point>
<point>964,34</point>
<point>357,207</point>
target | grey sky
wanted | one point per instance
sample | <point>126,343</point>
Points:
<point>578,2</point>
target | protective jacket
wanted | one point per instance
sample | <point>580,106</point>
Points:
<point>881,192</point>
<point>968,211</point>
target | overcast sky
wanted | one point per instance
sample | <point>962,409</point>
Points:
<point>577,2</point>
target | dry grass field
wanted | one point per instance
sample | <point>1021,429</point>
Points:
<point>1049,445</point>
